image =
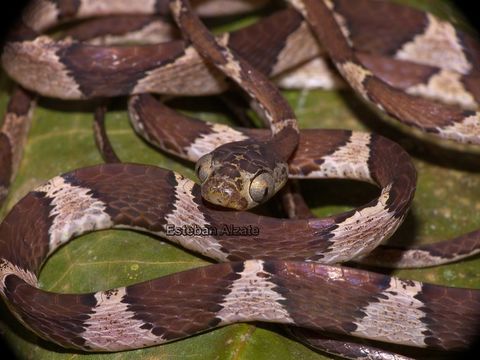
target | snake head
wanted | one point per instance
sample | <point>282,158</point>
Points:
<point>241,175</point>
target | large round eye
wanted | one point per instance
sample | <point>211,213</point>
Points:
<point>203,167</point>
<point>261,187</point>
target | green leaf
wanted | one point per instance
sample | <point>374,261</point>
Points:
<point>447,204</point>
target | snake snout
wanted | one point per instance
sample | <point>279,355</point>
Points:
<point>223,194</point>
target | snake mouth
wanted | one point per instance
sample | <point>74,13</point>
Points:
<point>224,195</point>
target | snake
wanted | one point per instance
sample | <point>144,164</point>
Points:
<point>255,286</point>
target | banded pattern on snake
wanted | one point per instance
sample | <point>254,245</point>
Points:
<point>61,200</point>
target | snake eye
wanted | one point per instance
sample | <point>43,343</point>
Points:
<point>261,187</point>
<point>203,167</point>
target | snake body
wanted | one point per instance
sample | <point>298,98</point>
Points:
<point>141,315</point>
<point>299,289</point>
<point>60,69</point>
<point>189,138</point>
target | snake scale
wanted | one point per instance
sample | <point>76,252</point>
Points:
<point>268,277</point>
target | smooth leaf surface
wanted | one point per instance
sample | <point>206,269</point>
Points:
<point>447,204</point>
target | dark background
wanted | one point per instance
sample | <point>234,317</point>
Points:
<point>10,12</point>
